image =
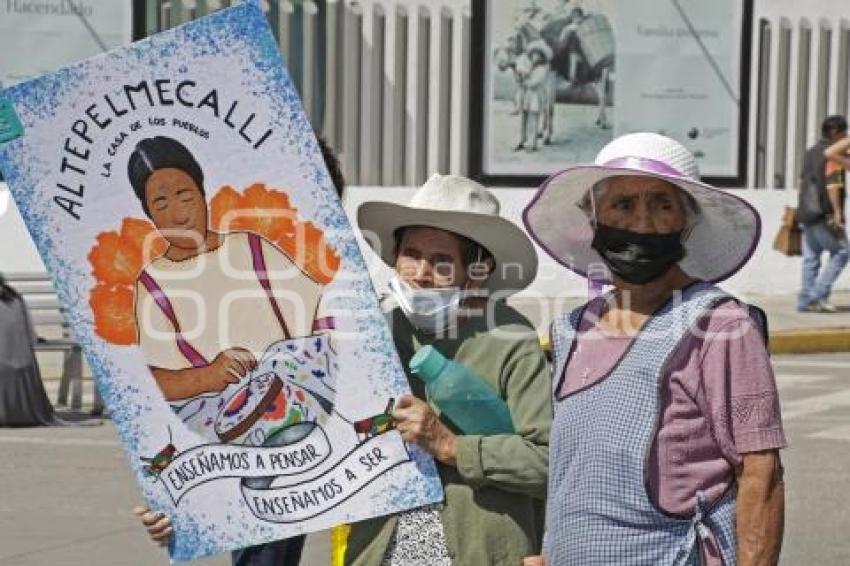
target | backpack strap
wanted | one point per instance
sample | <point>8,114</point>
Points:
<point>191,354</point>
<point>760,318</point>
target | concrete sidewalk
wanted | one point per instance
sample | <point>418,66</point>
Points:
<point>795,332</point>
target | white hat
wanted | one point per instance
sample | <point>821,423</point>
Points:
<point>460,205</point>
<point>721,241</point>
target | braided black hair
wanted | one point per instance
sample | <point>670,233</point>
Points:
<point>156,153</point>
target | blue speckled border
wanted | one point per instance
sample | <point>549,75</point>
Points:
<point>242,29</point>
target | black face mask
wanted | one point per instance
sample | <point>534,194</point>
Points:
<point>637,258</point>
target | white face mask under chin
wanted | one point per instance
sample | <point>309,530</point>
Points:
<point>432,311</point>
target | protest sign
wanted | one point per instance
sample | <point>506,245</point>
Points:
<point>178,197</point>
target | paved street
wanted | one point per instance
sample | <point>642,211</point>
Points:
<point>67,492</point>
<point>816,407</point>
<point>67,498</point>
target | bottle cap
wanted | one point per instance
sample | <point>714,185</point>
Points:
<point>427,363</point>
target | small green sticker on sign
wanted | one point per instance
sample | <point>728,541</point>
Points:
<point>10,125</point>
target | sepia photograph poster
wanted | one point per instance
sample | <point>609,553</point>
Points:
<point>559,79</point>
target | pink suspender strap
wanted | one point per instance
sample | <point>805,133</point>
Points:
<point>325,323</point>
<point>263,276</point>
<point>190,353</point>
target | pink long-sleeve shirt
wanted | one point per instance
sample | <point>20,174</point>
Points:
<point>719,402</point>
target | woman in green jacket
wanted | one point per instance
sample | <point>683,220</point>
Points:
<point>456,260</point>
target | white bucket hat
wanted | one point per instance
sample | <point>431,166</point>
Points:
<point>719,242</point>
<point>460,205</point>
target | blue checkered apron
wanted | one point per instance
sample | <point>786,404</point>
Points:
<point>599,511</point>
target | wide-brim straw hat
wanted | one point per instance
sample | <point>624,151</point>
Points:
<point>719,241</point>
<point>462,206</point>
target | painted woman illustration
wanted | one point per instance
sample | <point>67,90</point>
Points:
<point>227,321</point>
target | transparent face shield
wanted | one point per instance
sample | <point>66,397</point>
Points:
<point>597,272</point>
<point>435,310</point>
<point>430,310</point>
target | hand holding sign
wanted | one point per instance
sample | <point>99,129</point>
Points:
<point>418,424</point>
<point>157,524</point>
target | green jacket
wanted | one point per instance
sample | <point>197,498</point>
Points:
<point>493,511</point>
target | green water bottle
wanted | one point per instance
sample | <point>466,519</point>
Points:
<point>472,405</point>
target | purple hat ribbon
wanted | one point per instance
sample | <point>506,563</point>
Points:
<point>643,164</point>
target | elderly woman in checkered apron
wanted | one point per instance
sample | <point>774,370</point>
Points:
<point>664,448</point>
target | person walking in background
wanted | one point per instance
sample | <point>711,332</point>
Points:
<point>821,212</point>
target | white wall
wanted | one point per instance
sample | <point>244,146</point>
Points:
<point>769,272</point>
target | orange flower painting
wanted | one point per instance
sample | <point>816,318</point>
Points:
<point>118,256</point>
<point>267,212</point>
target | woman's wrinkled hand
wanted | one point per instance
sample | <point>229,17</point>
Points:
<point>533,561</point>
<point>418,424</point>
<point>157,524</point>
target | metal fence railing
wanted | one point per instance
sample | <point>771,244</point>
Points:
<point>799,76</point>
<point>387,81</point>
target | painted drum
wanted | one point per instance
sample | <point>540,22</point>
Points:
<point>246,406</point>
<point>294,382</point>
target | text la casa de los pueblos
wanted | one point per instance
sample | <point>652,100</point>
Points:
<point>103,114</point>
